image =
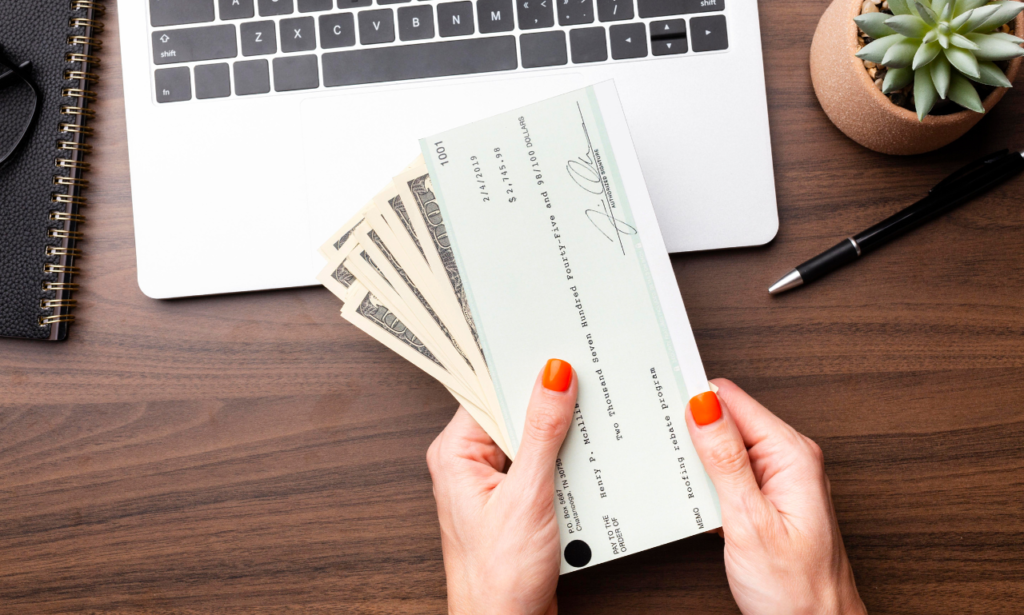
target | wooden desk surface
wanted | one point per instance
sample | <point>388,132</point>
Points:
<point>255,453</point>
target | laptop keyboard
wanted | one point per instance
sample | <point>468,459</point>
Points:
<point>248,47</point>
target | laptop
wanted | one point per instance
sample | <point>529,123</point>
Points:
<point>256,128</point>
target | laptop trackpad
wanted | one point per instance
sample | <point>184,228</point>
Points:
<point>355,141</point>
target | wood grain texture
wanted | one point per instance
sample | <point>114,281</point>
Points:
<point>256,454</point>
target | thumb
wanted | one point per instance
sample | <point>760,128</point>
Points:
<point>547,420</point>
<point>722,451</point>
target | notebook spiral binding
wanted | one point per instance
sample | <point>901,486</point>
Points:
<point>84,26</point>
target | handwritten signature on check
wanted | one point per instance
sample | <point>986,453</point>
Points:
<point>586,172</point>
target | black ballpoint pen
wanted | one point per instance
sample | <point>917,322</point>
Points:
<point>960,187</point>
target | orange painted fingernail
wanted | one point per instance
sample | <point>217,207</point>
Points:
<point>705,408</point>
<point>557,376</point>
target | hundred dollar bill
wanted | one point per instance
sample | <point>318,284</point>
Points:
<point>332,245</point>
<point>415,188</point>
<point>376,245</point>
<point>367,313</point>
<point>388,287</point>
<point>376,273</point>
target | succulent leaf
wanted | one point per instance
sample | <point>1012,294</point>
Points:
<point>961,41</point>
<point>940,71</point>
<point>991,75</point>
<point>963,93</point>
<point>974,18</point>
<point>897,79</point>
<point>925,54</point>
<point>962,6</point>
<point>941,5</point>
<point>927,14</point>
<point>910,26</point>
<point>873,24</point>
<point>876,50</point>
<point>1005,11</point>
<point>944,40</point>
<point>1003,36</point>
<point>901,55</point>
<point>994,49</point>
<point>899,7</point>
<point>924,93</point>
<point>963,61</point>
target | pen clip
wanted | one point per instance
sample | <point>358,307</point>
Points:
<point>967,170</point>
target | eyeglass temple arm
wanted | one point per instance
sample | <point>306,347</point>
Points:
<point>7,72</point>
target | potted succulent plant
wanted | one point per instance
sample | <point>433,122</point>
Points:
<point>910,76</point>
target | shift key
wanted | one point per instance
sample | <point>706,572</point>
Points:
<point>194,44</point>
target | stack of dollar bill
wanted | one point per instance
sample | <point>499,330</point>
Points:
<point>393,267</point>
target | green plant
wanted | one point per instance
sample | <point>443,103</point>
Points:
<point>941,46</point>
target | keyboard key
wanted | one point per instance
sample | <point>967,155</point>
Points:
<point>298,34</point>
<point>628,41</point>
<point>494,16</point>
<point>194,44</point>
<point>575,12</point>
<point>173,85</point>
<point>535,14</point>
<point>544,49</point>
<point>313,6</point>
<point>352,4</point>
<point>252,77</point>
<point>455,18</point>
<point>614,10</point>
<point>178,12</point>
<point>668,37</point>
<point>376,27</point>
<point>663,8</point>
<point>588,45</point>
<point>403,62</point>
<point>269,8</point>
<point>337,31</point>
<point>213,81</point>
<point>236,9</point>
<point>416,23</point>
<point>709,33</point>
<point>392,1</point>
<point>259,38</point>
<point>296,73</point>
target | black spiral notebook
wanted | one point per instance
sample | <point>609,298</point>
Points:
<point>48,67</point>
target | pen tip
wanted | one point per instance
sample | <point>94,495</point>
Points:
<point>788,282</point>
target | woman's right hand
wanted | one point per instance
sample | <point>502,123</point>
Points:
<point>783,550</point>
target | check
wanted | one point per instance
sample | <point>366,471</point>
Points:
<point>558,253</point>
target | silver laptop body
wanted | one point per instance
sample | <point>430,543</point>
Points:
<point>257,127</point>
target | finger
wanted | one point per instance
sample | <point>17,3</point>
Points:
<point>547,420</point>
<point>464,440</point>
<point>774,444</point>
<point>724,455</point>
<point>754,422</point>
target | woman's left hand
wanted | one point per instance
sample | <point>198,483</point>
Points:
<point>499,534</point>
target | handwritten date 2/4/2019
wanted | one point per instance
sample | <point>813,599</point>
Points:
<point>586,171</point>
<point>481,183</point>
<point>506,181</point>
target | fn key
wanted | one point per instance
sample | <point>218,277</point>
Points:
<point>173,84</point>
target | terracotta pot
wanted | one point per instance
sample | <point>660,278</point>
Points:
<point>853,103</point>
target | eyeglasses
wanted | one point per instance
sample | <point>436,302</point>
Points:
<point>20,101</point>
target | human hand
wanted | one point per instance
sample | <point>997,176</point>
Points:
<point>499,536</point>
<point>783,549</point>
